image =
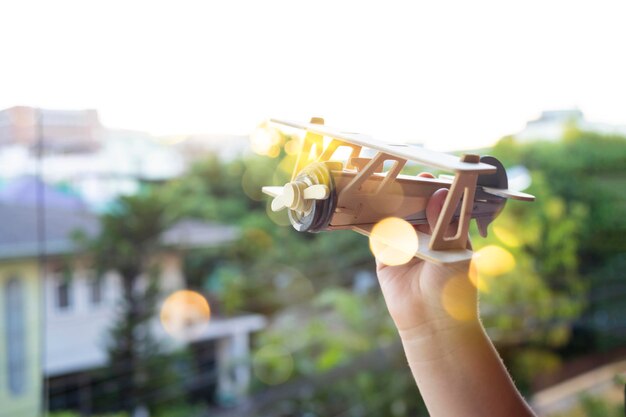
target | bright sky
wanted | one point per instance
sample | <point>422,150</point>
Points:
<point>450,74</point>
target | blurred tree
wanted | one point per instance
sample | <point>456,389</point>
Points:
<point>567,249</point>
<point>128,243</point>
<point>588,169</point>
<point>345,359</point>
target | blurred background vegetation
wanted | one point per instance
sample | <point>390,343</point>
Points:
<point>330,348</point>
<point>563,298</point>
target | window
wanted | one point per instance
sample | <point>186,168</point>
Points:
<point>63,299</point>
<point>15,335</point>
<point>95,283</point>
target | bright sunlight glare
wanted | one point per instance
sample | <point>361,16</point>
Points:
<point>449,74</point>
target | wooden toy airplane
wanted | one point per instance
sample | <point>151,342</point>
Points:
<point>328,195</point>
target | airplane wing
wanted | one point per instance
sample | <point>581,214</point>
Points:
<point>448,256</point>
<point>413,153</point>
<point>508,193</point>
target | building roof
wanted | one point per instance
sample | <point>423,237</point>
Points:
<point>20,237</point>
<point>27,190</point>
<point>193,233</point>
<point>19,234</point>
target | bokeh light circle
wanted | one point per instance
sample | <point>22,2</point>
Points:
<point>272,364</point>
<point>293,146</point>
<point>489,263</point>
<point>393,241</point>
<point>458,298</point>
<point>479,281</point>
<point>185,314</point>
<point>266,141</point>
<point>493,260</point>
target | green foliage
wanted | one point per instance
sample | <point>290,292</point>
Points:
<point>585,168</point>
<point>568,249</point>
<point>526,363</point>
<point>358,393</point>
<point>565,245</point>
<point>334,327</point>
<point>130,233</point>
<point>230,283</point>
<point>75,414</point>
<point>128,243</point>
<point>537,300</point>
<point>345,354</point>
<point>211,190</point>
<point>181,410</point>
<point>578,223</point>
<point>596,407</point>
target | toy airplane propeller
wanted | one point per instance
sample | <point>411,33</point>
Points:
<point>329,195</point>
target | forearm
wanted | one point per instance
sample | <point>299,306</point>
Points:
<point>459,372</point>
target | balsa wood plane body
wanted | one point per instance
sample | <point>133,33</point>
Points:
<point>328,195</point>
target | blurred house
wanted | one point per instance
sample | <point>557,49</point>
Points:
<point>98,162</point>
<point>552,124</point>
<point>20,343</point>
<point>55,311</point>
<point>78,152</point>
<point>58,131</point>
<point>30,191</point>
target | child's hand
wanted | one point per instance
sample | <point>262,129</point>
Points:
<point>455,366</point>
<point>422,296</point>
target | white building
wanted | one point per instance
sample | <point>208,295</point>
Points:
<point>552,124</point>
<point>99,163</point>
<point>114,168</point>
<point>54,131</point>
<point>79,307</point>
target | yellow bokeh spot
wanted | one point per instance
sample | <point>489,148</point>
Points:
<point>265,141</point>
<point>273,151</point>
<point>458,299</point>
<point>292,147</point>
<point>479,281</point>
<point>185,314</point>
<point>393,241</point>
<point>493,260</point>
<point>506,237</point>
<point>272,364</point>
